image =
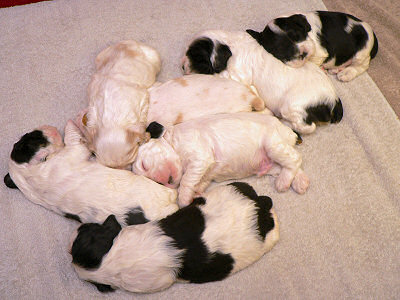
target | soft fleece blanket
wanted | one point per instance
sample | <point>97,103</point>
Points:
<point>341,240</point>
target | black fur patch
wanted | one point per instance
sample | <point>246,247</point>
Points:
<point>104,288</point>
<point>135,216</point>
<point>338,43</point>
<point>199,201</point>
<point>27,146</point>
<point>73,217</point>
<point>263,204</point>
<point>93,242</point>
<point>374,49</point>
<point>198,264</point>
<point>9,182</point>
<point>279,45</point>
<point>282,45</point>
<point>199,54</point>
<point>324,113</point>
<point>155,129</point>
<point>245,189</point>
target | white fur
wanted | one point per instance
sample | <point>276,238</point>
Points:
<point>68,182</point>
<point>196,95</point>
<point>143,259</point>
<point>222,147</point>
<point>286,91</point>
<point>118,102</point>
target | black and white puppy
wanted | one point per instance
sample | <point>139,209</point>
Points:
<point>224,231</point>
<point>302,97</point>
<point>339,42</point>
<point>62,178</point>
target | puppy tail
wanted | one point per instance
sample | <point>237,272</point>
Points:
<point>374,49</point>
<point>9,182</point>
<point>337,112</point>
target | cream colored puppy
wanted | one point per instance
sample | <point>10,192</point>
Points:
<point>196,95</point>
<point>115,122</point>
<point>222,147</point>
<point>63,179</point>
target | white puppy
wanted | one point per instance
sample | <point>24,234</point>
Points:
<point>64,180</point>
<point>221,233</point>
<point>115,122</point>
<point>301,96</point>
<point>339,42</point>
<point>196,95</point>
<point>222,147</point>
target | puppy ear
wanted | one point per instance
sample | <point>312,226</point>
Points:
<point>72,134</point>
<point>256,35</point>
<point>112,224</point>
<point>155,129</point>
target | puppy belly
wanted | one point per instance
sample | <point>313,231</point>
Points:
<point>264,166</point>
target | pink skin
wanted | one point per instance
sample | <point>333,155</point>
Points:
<point>53,134</point>
<point>163,175</point>
<point>265,165</point>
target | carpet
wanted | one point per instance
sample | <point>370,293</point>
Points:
<point>341,240</point>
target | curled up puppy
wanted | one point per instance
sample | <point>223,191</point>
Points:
<point>63,179</point>
<point>302,97</point>
<point>339,42</point>
<point>222,147</point>
<point>227,229</point>
<point>115,121</point>
<point>193,96</point>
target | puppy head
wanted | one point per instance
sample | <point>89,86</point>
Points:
<point>158,161</point>
<point>287,39</point>
<point>205,56</point>
<point>92,241</point>
<point>36,146</point>
<point>117,147</point>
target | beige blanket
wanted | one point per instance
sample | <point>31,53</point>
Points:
<point>341,240</point>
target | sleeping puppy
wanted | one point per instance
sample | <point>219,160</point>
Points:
<point>339,42</point>
<point>222,147</point>
<point>302,97</point>
<point>196,95</point>
<point>63,179</point>
<point>219,234</point>
<point>115,121</point>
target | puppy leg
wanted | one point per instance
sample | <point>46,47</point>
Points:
<point>290,161</point>
<point>191,179</point>
<point>295,120</point>
<point>300,182</point>
<point>356,68</point>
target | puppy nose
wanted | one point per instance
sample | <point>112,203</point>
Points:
<point>170,180</point>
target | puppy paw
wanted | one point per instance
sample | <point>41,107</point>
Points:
<point>282,184</point>
<point>347,74</point>
<point>300,182</point>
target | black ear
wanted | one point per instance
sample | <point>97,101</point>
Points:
<point>155,129</point>
<point>112,224</point>
<point>254,34</point>
<point>9,182</point>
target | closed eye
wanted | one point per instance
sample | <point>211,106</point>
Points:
<point>144,167</point>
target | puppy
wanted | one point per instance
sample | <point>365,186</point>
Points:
<point>64,180</point>
<point>339,42</point>
<point>224,231</point>
<point>222,147</point>
<point>115,121</point>
<point>302,97</point>
<point>196,95</point>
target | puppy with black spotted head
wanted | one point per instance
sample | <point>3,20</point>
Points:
<point>61,177</point>
<point>339,42</point>
<point>301,97</point>
<point>227,229</point>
